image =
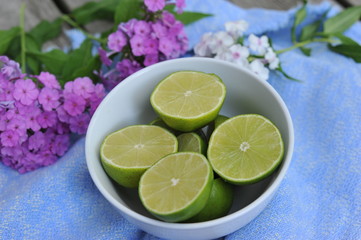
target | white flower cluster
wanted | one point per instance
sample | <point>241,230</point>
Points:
<point>255,54</point>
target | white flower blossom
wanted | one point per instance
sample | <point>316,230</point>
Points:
<point>224,54</point>
<point>202,49</point>
<point>219,41</point>
<point>236,28</point>
<point>272,59</point>
<point>258,44</point>
<point>239,54</point>
<point>259,69</point>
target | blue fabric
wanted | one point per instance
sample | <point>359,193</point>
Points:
<point>320,197</point>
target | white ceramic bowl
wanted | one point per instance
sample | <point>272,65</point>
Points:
<point>128,104</point>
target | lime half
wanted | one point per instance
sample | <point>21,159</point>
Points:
<point>176,187</point>
<point>127,153</point>
<point>245,149</point>
<point>188,100</point>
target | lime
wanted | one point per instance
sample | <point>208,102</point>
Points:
<point>128,152</point>
<point>215,123</point>
<point>245,149</point>
<point>188,100</point>
<point>176,187</point>
<point>191,142</point>
<point>219,202</point>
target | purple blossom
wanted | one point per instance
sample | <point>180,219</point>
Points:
<point>74,104</point>
<point>9,138</point>
<point>128,27</point>
<point>25,91</point>
<point>159,29</point>
<point>49,80</point>
<point>166,46</point>
<point>79,123</point>
<point>6,91</point>
<point>104,57</point>
<point>180,4</point>
<point>154,5</point>
<point>116,41</point>
<point>168,19</point>
<point>36,141</point>
<point>151,46</point>
<point>47,119</point>
<point>142,28</point>
<point>62,114</point>
<point>83,87</point>
<point>17,125</point>
<point>10,69</point>
<point>61,144</point>
<point>49,98</point>
<point>31,119</point>
<point>137,44</point>
<point>150,59</point>
<point>127,67</point>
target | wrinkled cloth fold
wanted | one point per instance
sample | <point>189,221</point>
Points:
<point>320,197</point>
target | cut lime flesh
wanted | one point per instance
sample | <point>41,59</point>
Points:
<point>245,149</point>
<point>177,187</point>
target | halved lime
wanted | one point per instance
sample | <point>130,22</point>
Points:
<point>219,202</point>
<point>191,142</point>
<point>128,152</point>
<point>176,187</point>
<point>245,149</point>
<point>188,100</point>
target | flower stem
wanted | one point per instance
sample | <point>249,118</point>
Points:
<point>72,23</point>
<point>301,44</point>
<point>22,37</point>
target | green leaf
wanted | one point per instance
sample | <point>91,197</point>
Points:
<point>344,39</point>
<point>309,31</point>
<point>299,17</point>
<point>352,51</point>
<point>190,17</point>
<point>306,51</point>
<point>342,21</point>
<point>186,17</point>
<point>32,64</point>
<point>91,11</point>
<point>286,75</point>
<point>88,68</point>
<point>52,61</point>
<point>80,62</point>
<point>126,10</point>
<point>46,31</point>
<point>6,37</point>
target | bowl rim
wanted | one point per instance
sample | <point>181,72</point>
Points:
<point>189,226</point>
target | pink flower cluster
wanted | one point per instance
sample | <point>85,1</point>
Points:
<point>37,116</point>
<point>144,42</point>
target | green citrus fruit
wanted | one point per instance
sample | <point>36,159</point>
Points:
<point>219,202</point>
<point>245,149</point>
<point>191,142</point>
<point>176,187</point>
<point>128,152</point>
<point>188,100</point>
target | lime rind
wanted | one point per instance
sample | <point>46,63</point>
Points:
<point>226,164</point>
